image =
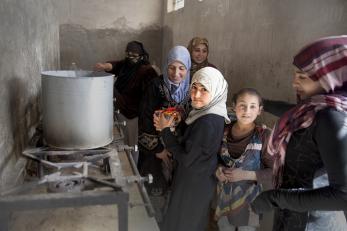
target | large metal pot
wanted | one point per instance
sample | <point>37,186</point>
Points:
<point>77,109</point>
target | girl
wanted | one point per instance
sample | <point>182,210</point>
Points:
<point>194,183</point>
<point>245,164</point>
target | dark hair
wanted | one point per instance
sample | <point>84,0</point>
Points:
<point>250,91</point>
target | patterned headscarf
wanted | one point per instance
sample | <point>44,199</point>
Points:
<point>180,54</point>
<point>197,41</point>
<point>216,85</point>
<point>192,44</point>
<point>324,60</point>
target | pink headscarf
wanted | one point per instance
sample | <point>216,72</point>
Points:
<point>324,60</point>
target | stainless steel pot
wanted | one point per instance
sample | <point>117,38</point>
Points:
<point>77,109</point>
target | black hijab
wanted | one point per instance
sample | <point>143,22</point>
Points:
<point>129,68</point>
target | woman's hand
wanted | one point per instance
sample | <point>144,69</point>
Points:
<point>220,174</point>
<point>160,121</point>
<point>265,202</point>
<point>237,174</point>
<point>103,67</point>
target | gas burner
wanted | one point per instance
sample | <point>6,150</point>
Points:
<point>74,178</point>
<point>66,186</point>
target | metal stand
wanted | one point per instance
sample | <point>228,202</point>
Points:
<point>115,186</point>
<point>62,200</point>
<point>64,175</point>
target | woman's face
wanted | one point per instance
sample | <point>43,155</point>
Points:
<point>199,53</point>
<point>199,95</point>
<point>133,57</point>
<point>177,72</point>
<point>304,86</point>
<point>247,108</point>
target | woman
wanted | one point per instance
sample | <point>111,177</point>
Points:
<point>198,49</point>
<point>309,140</point>
<point>245,164</point>
<point>194,183</point>
<point>132,76</point>
<point>169,90</point>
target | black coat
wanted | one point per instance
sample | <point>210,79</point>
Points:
<point>129,96</point>
<point>157,97</point>
<point>303,197</point>
<point>194,182</point>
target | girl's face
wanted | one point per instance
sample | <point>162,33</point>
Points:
<point>177,72</point>
<point>247,108</point>
<point>199,95</point>
<point>305,86</point>
<point>199,53</point>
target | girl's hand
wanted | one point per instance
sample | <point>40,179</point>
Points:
<point>220,175</point>
<point>160,121</point>
<point>178,117</point>
<point>237,174</point>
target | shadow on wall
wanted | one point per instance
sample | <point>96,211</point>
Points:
<point>167,41</point>
<point>85,47</point>
<point>25,114</point>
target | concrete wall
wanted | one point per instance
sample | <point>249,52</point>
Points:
<point>29,44</point>
<point>93,31</point>
<point>89,31</point>
<point>253,41</point>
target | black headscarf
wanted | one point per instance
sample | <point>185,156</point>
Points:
<point>128,70</point>
<point>137,47</point>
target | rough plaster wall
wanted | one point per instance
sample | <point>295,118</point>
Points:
<point>29,44</point>
<point>253,41</point>
<point>93,31</point>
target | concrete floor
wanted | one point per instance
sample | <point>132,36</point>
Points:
<point>91,218</point>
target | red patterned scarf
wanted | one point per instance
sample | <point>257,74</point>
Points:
<point>324,60</point>
<point>297,118</point>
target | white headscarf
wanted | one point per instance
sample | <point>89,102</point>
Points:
<point>216,85</point>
